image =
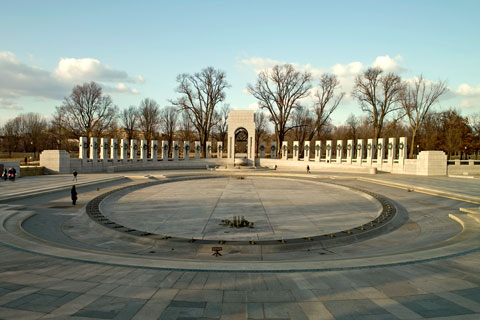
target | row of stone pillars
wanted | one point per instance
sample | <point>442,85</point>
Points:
<point>111,149</point>
<point>354,150</point>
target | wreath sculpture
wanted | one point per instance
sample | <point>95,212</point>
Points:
<point>135,147</point>
<point>401,146</point>
<point>379,147</point>
<point>329,147</point>
<point>307,148</point>
<point>339,147</point>
<point>295,147</point>
<point>209,148</point>
<point>285,149</point>
<point>369,146</point>
<point>145,147</point>
<point>272,148</point>
<point>187,147</point>
<point>165,147</point>
<point>318,147</point>
<point>349,147</point>
<point>359,147</point>
<point>220,148</point>
<point>390,146</point>
<point>155,147</point>
<point>95,145</point>
<point>262,148</point>
<point>175,147</point>
<point>197,148</point>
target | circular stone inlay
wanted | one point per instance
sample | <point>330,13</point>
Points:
<point>280,208</point>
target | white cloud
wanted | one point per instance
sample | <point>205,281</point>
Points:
<point>140,79</point>
<point>122,88</point>
<point>469,96</point>
<point>87,69</point>
<point>18,79</point>
<point>6,104</point>
<point>388,64</point>
<point>466,90</point>
<point>254,106</point>
<point>353,68</point>
<point>262,64</point>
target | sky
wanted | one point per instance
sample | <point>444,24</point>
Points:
<point>136,49</point>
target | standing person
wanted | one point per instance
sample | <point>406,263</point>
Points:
<point>5,174</point>
<point>75,173</point>
<point>74,195</point>
<point>308,169</point>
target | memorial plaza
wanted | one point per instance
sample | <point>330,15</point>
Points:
<point>325,245</point>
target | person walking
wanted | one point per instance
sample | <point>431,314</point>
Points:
<point>75,174</point>
<point>308,169</point>
<point>74,195</point>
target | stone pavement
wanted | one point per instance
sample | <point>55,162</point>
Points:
<point>38,286</point>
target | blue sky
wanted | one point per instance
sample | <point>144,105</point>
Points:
<point>136,49</point>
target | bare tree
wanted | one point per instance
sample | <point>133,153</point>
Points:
<point>303,126</point>
<point>260,119</point>
<point>200,94</point>
<point>352,124</point>
<point>378,95</point>
<point>185,131</point>
<point>416,100</point>
<point>12,133</point>
<point>221,123</point>
<point>34,130</point>
<point>327,102</point>
<point>149,118</point>
<point>279,91</point>
<point>168,123</point>
<point>129,120</point>
<point>87,112</point>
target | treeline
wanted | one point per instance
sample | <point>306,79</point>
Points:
<point>391,107</point>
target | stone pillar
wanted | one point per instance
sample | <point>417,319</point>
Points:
<point>55,161</point>
<point>392,149</point>
<point>186,150</point>
<point>164,150</point>
<point>209,150</point>
<point>93,149</point>
<point>273,150</point>
<point>318,150</point>
<point>284,150</point>
<point>328,152</point>
<point>339,151</point>
<point>380,150</point>
<point>402,150</point>
<point>124,150</point>
<point>133,150</point>
<point>306,151</point>
<point>154,150</point>
<point>296,149</point>
<point>176,150</point>
<point>350,150</point>
<point>143,150</point>
<point>431,163</point>
<point>370,150</point>
<point>114,150</point>
<point>83,148</point>
<point>104,149</point>
<point>360,147</point>
<point>198,150</point>
<point>261,150</point>
<point>219,149</point>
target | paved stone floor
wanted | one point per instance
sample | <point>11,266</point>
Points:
<point>195,208</point>
<point>39,286</point>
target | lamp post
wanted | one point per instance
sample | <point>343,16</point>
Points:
<point>466,153</point>
<point>418,149</point>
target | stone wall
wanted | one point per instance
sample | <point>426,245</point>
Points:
<point>11,164</point>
